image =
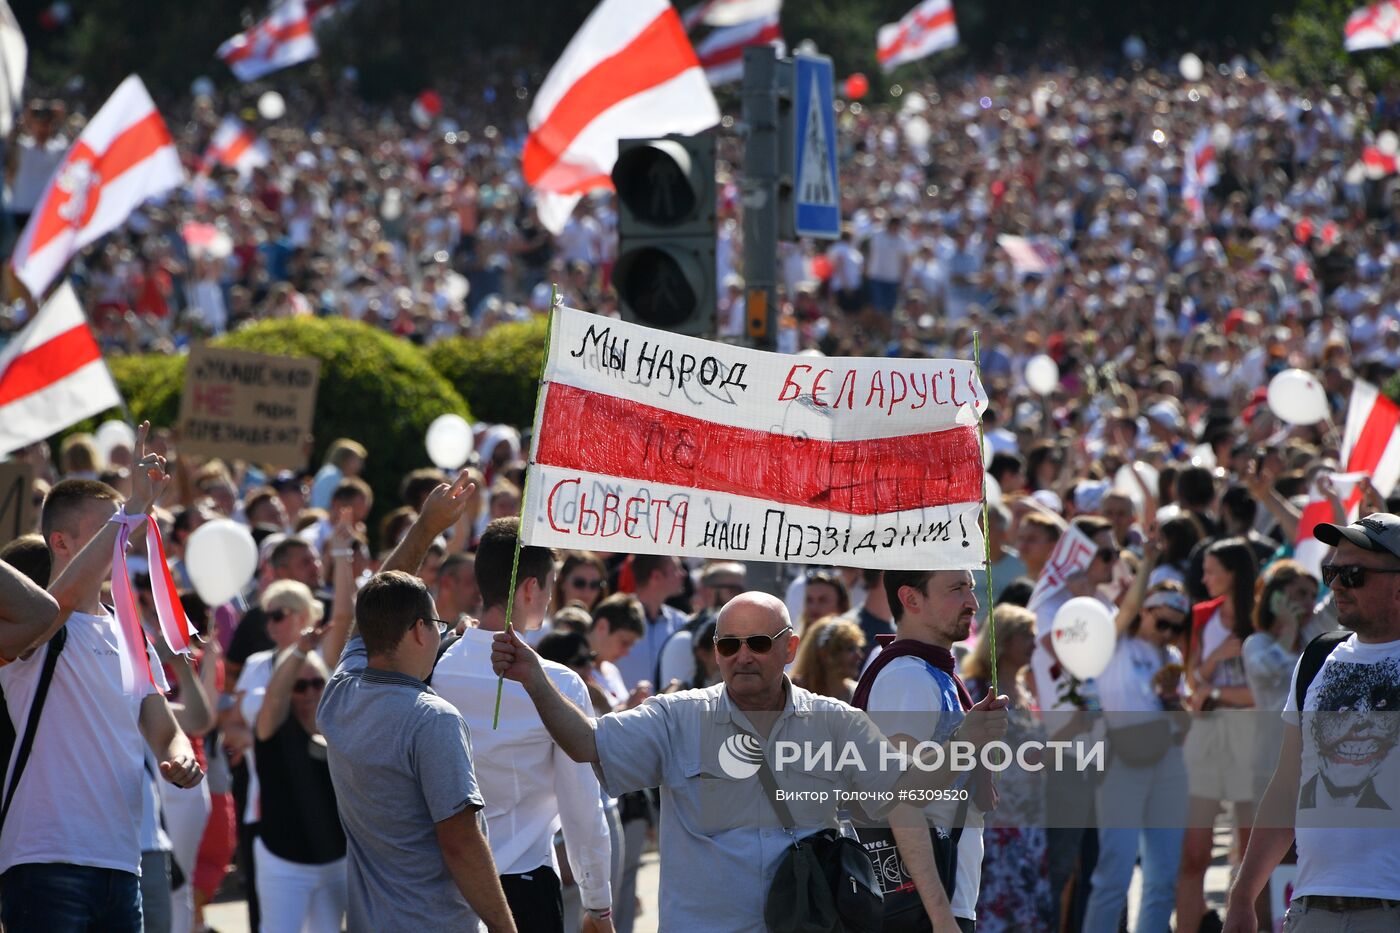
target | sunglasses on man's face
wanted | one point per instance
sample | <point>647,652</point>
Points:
<point>585,583</point>
<point>309,683</point>
<point>728,646</point>
<point>1350,575</point>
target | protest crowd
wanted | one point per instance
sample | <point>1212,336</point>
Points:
<point>339,744</point>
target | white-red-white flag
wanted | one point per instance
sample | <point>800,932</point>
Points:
<point>236,146</point>
<point>1370,453</point>
<point>929,27</point>
<point>722,51</point>
<point>283,39</point>
<point>52,374</point>
<point>1373,27</point>
<point>124,156</point>
<point>730,12</point>
<point>1200,171</point>
<point>629,71</point>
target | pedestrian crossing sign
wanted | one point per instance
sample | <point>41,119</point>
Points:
<point>816,193</point>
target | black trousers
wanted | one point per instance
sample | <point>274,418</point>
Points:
<point>536,900</point>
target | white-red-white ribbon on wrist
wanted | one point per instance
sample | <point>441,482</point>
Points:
<point>131,638</point>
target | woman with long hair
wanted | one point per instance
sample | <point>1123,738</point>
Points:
<point>1176,538</point>
<point>1220,745</point>
<point>1015,889</point>
<point>829,658</point>
<point>582,579</point>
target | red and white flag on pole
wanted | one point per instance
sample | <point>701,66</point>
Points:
<point>653,443</point>
<point>929,27</point>
<point>629,71</point>
<point>730,12</point>
<point>52,374</point>
<point>1199,172</point>
<point>124,156</point>
<point>722,51</point>
<point>1373,27</point>
<point>283,39</point>
<point>1370,453</point>
<point>237,147</point>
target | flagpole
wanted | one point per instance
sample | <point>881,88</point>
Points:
<point>554,300</point>
<point>986,518</point>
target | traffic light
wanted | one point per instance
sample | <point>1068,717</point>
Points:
<point>665,270</point>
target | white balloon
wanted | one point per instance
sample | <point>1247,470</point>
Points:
<point>271,106</point>
<point>1388,143</point>
<point>1084,637</point>
<point>1042,374</point>
<point>457,286</point>
<point>992,489</point>
<point>1296,397</point>
<point>113,434</point>
<point>914,102</point>
<point>220,557</point>
<point>1192,68</point>
<point>449,441</point>
<point>917,132</point>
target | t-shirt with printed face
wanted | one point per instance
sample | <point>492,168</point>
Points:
<point>1348,818</point>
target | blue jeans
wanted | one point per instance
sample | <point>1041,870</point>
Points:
<point>52,898</point>
<point>1151,796</point>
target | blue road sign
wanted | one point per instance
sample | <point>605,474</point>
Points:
<point>816,193</point>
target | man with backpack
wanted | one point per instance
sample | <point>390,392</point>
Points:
<point>69,842</point>
<point>1338,757</point>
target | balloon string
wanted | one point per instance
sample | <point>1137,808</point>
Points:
<point>986,517</point>
<point>525,495</point>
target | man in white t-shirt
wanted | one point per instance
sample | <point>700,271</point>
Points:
<point>530,786</point>
<point>71,850</point>
<point>1336,788</point>
<point>915,673</point>
<point>887,267</point>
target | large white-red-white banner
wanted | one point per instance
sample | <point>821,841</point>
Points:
<point>650,442</point>
<point>929,27</point>
<point>1376,26</point>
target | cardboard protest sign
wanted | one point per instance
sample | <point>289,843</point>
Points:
<point>650,442</point>
<point>16,501</point>
<point>248,406</point>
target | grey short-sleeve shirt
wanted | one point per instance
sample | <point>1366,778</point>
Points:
<point>400,758</point>
<point>720,839</point>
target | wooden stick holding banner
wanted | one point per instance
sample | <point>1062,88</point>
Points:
<point>554,301</point>
<point>986,521</point>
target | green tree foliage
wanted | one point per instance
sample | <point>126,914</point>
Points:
<point>1310,50</point>
<point>498,374</point>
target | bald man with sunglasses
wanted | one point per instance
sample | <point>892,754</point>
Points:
<point>720,845</point>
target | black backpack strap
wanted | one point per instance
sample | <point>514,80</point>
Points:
<point>1314,656</point>
<point>36,708</point>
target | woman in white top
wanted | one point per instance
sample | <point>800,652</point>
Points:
<point>1146,776</point>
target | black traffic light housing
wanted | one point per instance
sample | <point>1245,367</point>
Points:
<point>665,270</point>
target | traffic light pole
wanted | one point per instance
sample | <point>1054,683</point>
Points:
<point>762,175</point>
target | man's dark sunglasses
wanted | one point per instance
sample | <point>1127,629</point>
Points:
<point>728,646</point>
<point>1350,575</point>
<point>309,683</point>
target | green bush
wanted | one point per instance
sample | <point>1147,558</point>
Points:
<point>375,388</point>
<point>498,374</point>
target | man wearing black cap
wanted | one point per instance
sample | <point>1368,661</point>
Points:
<point>1335,785</point>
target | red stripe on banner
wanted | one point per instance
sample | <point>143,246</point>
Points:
<point>133,145</point>
<point>234,151</point>
<point>660,52</point>
<point>937,21</point>
<point>726,54</point>
<point>1376,434</point>
<point>47,363</point>
<point>279,35</point>
<point>595,433</point>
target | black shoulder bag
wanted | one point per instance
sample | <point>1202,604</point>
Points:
<point>825,883</point>
<point>1314,656</point>
<point>41,694</point>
